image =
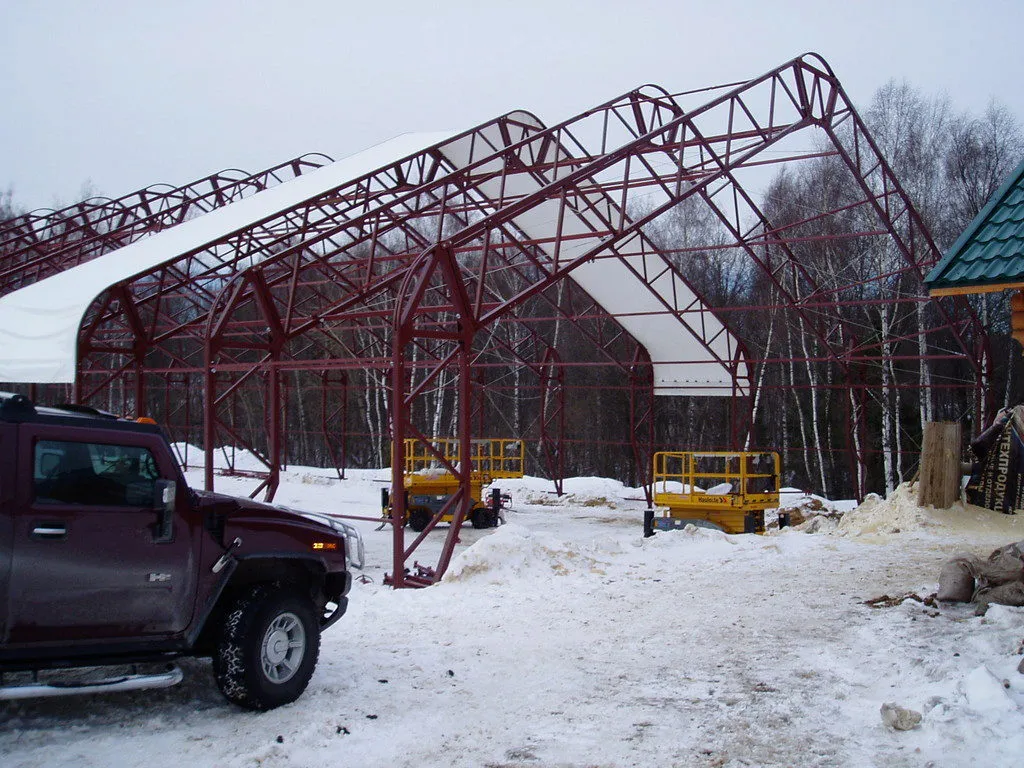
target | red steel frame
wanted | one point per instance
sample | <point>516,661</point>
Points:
<point>294,258</point>
<point>680,159</point>
<point>417,268</point>
<point>38,244</point>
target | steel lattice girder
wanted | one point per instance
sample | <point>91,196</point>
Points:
<point>287,272</point>
<point>312,224</point>
<point>361,195</point>
<point>41,243</point>
<point>317,245</point>
<point>698,159</point>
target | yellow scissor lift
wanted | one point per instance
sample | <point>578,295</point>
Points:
<point>429,483</point>
<point>729,490</point>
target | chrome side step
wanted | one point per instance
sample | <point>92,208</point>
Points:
<point>71,687</point>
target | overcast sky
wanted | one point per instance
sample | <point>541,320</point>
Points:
<point>121,94</point>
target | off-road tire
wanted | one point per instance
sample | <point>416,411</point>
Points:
<point>418,519</point>
<point>480,517</point>
<point>250,664</point>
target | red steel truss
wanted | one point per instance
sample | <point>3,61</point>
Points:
<point>692,155</point>
<point>513,252</point>
<point>292,309</point>
<point>44,242</point>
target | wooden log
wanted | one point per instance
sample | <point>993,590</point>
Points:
<point>940,464</point>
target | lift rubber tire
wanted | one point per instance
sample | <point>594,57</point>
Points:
<point>480,517</point>
<point>268,647</point>
<point>418,519</point>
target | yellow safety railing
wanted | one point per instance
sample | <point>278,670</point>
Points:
<point>701,479</point>
<point>489,458</point>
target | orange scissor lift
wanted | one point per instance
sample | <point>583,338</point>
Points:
<point>728,490</point>
<point>429,483</point>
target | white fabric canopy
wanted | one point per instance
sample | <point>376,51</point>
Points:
<point>689,347</point>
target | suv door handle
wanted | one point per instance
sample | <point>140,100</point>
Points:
<point>50,531</point>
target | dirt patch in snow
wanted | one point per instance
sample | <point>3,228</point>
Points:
<point>901,513</point>
<point>876,516</point>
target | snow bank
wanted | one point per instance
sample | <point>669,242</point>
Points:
<point>514,552</point>
<point>794,498</point>
<point>577,492</point>
<point>223,458</point>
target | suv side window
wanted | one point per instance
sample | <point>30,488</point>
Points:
<point>68,472</point>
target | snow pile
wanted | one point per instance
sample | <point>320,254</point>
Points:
<point>515,552</point>
<point>876,516</point>
<point>978,699</point>
<point>577,492</point>
<point>711,540</point>
<point>432,471</point>
<point>720,490</point>
<point>308,478</point>
<point>673,486</point>
<point>791,499</point>
<point>900,513</point>
<point>986,694</point>
<point>807,512</point>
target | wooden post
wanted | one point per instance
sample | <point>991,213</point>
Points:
<point>940,465</point>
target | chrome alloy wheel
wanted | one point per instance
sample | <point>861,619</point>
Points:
<point>283,648</point>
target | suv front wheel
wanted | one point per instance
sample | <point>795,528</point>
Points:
<point>268,647</point>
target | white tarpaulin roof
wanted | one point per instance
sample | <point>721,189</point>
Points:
<point>39,324</point>
<point>689,357</point>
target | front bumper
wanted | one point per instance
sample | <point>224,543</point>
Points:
<point>355,552</point>
<point>337,587</point>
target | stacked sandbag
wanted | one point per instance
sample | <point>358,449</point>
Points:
<point>997,579</point>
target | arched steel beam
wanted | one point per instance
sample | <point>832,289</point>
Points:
<point>39,244</point>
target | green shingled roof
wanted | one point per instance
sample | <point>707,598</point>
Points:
<point>990,252</point>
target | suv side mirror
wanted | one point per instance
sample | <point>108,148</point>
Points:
<point>163,503</point>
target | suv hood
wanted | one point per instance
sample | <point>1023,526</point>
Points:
<point>210,502</point>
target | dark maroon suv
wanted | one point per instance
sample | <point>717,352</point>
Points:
<point>110,564</point>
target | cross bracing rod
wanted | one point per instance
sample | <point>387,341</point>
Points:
<point>906,228</point>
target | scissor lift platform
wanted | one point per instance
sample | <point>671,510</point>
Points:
<point>430,484</point>
<point>729,490</point>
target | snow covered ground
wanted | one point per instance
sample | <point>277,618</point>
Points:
<point>566,639</point>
